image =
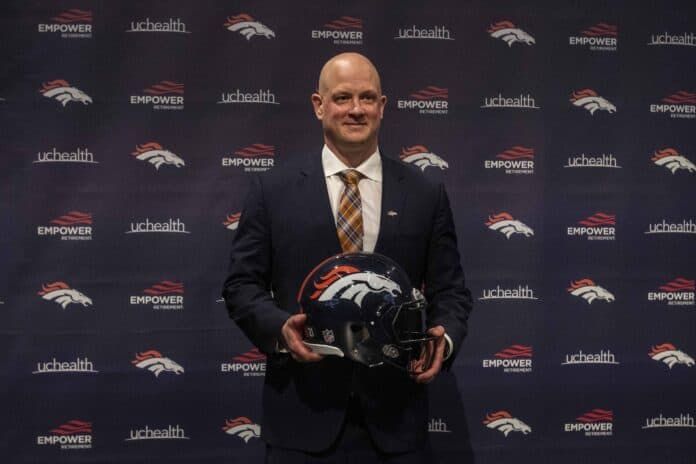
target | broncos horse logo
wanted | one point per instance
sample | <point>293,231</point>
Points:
<point>670,355</point>
<point>349,283</point>
<point>420,156</point>
<point>153,361</point>
<point>63,92</point>
<point>672,160</point>
<point>508,32</point>
<point>507,225</point>
<point>156,155</point>
<point>589,291</point>
<point>591,101</point>
<point>243,427</point>
<point>61,293</point>
<point>503,421</point>
<point>245,25</point>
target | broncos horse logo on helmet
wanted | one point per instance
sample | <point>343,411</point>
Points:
<point>349,283</point>
<point>362,306</point>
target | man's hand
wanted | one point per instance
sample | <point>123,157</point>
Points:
<point>291,338</point>
<point>438,346</point>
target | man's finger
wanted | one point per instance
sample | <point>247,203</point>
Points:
<point>436,365</point>
<point>292,335</point>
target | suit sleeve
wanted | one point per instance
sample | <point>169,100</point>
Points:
<point>247,289</point>
<point>445,288</point>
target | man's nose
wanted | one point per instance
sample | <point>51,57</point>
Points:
<point>356,107</point>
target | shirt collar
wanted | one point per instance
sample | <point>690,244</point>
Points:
<point>370,168</point>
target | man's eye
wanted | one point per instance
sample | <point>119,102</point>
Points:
<point>342,98</point>
<point>368,98</point>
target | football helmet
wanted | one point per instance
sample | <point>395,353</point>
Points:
<point>362,306</point>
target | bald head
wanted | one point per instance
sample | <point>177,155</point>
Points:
<point>340,65</point>
<point>350,105</point>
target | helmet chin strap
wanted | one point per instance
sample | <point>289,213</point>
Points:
<point>325,350</point>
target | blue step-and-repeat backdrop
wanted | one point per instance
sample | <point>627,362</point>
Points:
<point>564,132</point>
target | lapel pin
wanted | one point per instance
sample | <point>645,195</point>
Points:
<point>392,213</point>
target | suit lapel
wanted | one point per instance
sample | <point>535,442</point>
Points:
<point>393,198</point>
<point>317,207</point>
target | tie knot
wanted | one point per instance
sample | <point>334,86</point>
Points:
<point>350,176</point>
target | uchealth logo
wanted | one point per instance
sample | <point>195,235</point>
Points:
<point>420,156</point>
<point>660,422</point>
<point>599,226</point>
<point>505,423</point>
<point>504,223</point>
<point>155,362</point>
<point>78,155</point>
<point>667,39</point>
<point>591,101</point>
<point>678,292</point>
<point>232,221</point>
<point>599,37</point>
<point>687,226</point>
<point>75,225</point>
<point>64,93</point>
<point>345,30</point>
<point>70,24</point>
<point>582,358</point>
<point>165,26</point>
<point>166,295</point>
<point>428,100</point>
<point>249,364</point>
<point>515,160</point>
<point>169,226</point>
<point>74,434</point>
<point>520,102</point>
<point>518,293</point>
<point>169,432</point>
<point>157,155</point>
<point>243,428</point>
<point>416,32</point>
<point>670,355</point>
<point>681,104</point>
<point>670,159</point>
<point>594,423</point>
<point>258,157</point>
<point>77,366</point>
<point>63,295</point>
<point>605,160</point>
<point>509,33</point>
<point>589,291</point>
<point>513,359</point>
<point>257,97</point>
<point>247,26</point>
<point>438,425</point>
<point>164,95</point>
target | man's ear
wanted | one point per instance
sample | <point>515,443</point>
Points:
<point>317,103</point>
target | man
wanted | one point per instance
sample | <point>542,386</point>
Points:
<point>323,409</point>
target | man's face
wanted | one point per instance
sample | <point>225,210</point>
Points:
<point>350,106</point>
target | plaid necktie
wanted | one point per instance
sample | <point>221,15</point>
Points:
<point>349,221</point>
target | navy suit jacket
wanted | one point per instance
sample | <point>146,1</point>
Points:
<point>286,229</point>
